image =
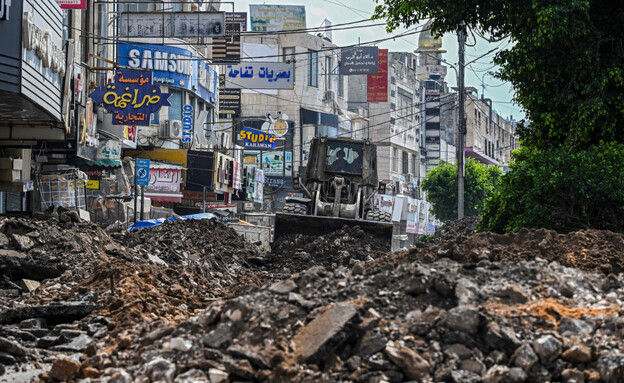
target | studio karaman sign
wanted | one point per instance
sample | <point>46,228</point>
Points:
<point>132,98</point>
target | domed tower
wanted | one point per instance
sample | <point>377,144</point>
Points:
<point>430,53</point>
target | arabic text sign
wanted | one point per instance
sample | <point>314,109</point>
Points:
<point>377,84</point>
<point>172,24</point>
<point>132,97</point>
<point>164,180</point>
<point>275,18</point>
<point>109,150</point>
<point>259,75</point>
<point>358,60</point>
<point>142,172</point>
<point>256,139</point>
<point>72,4</point>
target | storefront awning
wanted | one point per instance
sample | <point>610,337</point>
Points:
<point>164,197</point>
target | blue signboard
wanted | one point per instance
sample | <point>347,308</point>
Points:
<point>172,66</point>
<point>132,97</point>
<point>142,176</point>
<point>257,139</point>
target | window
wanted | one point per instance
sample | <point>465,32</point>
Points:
<point>176,100</point>
<point>392,80</point>
<point>340,83</point>
<point>414,170</point>
<point>313,68</point>
<point>344,158</point>
<point>395,159</point>
<point>288,54</point>
<point>405,163</point>
<point>406,104</point>
<point>328,72</point>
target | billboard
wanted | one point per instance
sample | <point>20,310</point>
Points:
<point>259,75</point>
<point>358,60</point>
<point>172,24</point>
<point>275,18</point>
<point>377,84</point>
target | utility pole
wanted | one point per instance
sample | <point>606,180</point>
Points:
<point>461,127</point>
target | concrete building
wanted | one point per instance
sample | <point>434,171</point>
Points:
<point>316,105</point>
<point>394,125</point>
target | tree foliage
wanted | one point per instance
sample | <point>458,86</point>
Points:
<point>560,189</point>
<point>566,63</point>
<point>441,188</point>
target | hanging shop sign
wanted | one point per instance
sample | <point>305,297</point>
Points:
<point>358,60</point>
<point>256,139</point>
<point>132,98</point>
<point>377,84</point>
<point>259,75</point>
<point>172,24</point>
<point>164,179</point>
<point>72,4</point>
<point>228,47</point>
<point>109,150</point>
<point>187,124</point>
<point>172,66</point>
<point>275,18</point>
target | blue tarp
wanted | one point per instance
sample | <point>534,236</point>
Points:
<point>155,222</point>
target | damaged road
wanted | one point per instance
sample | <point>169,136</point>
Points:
<point>193,302</point>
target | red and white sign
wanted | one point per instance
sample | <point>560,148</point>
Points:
<point>72,4</point>
<point>377,84</point>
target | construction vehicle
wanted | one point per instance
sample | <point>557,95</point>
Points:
<point>338,189</point>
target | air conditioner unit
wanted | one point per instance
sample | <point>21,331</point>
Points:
<point>330,95</point>
<point>171,129</point>
<point>409,178</point>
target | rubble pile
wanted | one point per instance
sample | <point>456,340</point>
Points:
<point>210,242</point>
<point>586,250</point>
<point>453,229</point>
<point>34,250</point>
<point>529,321</point>
<point>344,247</point>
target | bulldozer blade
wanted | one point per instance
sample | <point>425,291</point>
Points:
<point>289,224</point>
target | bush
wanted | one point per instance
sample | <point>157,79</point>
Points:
<point>441,188</point>
<point>560,189</point>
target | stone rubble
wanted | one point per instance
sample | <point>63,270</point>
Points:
<point>193,302</point>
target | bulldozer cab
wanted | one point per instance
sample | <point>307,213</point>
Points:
<point>353,159</point>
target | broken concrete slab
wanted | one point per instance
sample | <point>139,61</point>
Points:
<point>311,339</point>
<point>53,313</point>
<point>409,361</point>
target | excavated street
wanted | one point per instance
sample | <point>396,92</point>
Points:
<point>191,301</point>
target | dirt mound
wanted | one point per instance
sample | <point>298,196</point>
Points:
<point>453,229</point>
<point>344,247</point>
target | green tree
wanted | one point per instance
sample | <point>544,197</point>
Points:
<point>441,188</point>
<point>565,63</point>
<point>560,189</point>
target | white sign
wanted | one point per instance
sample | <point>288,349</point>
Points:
<point>40,41</point>
<point>257,75</point>
<point>173,24</point>
<point>4,9</point>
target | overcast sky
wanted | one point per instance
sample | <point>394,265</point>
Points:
<point>344,11</point>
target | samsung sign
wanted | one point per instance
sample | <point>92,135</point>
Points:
<point>172,66</point>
